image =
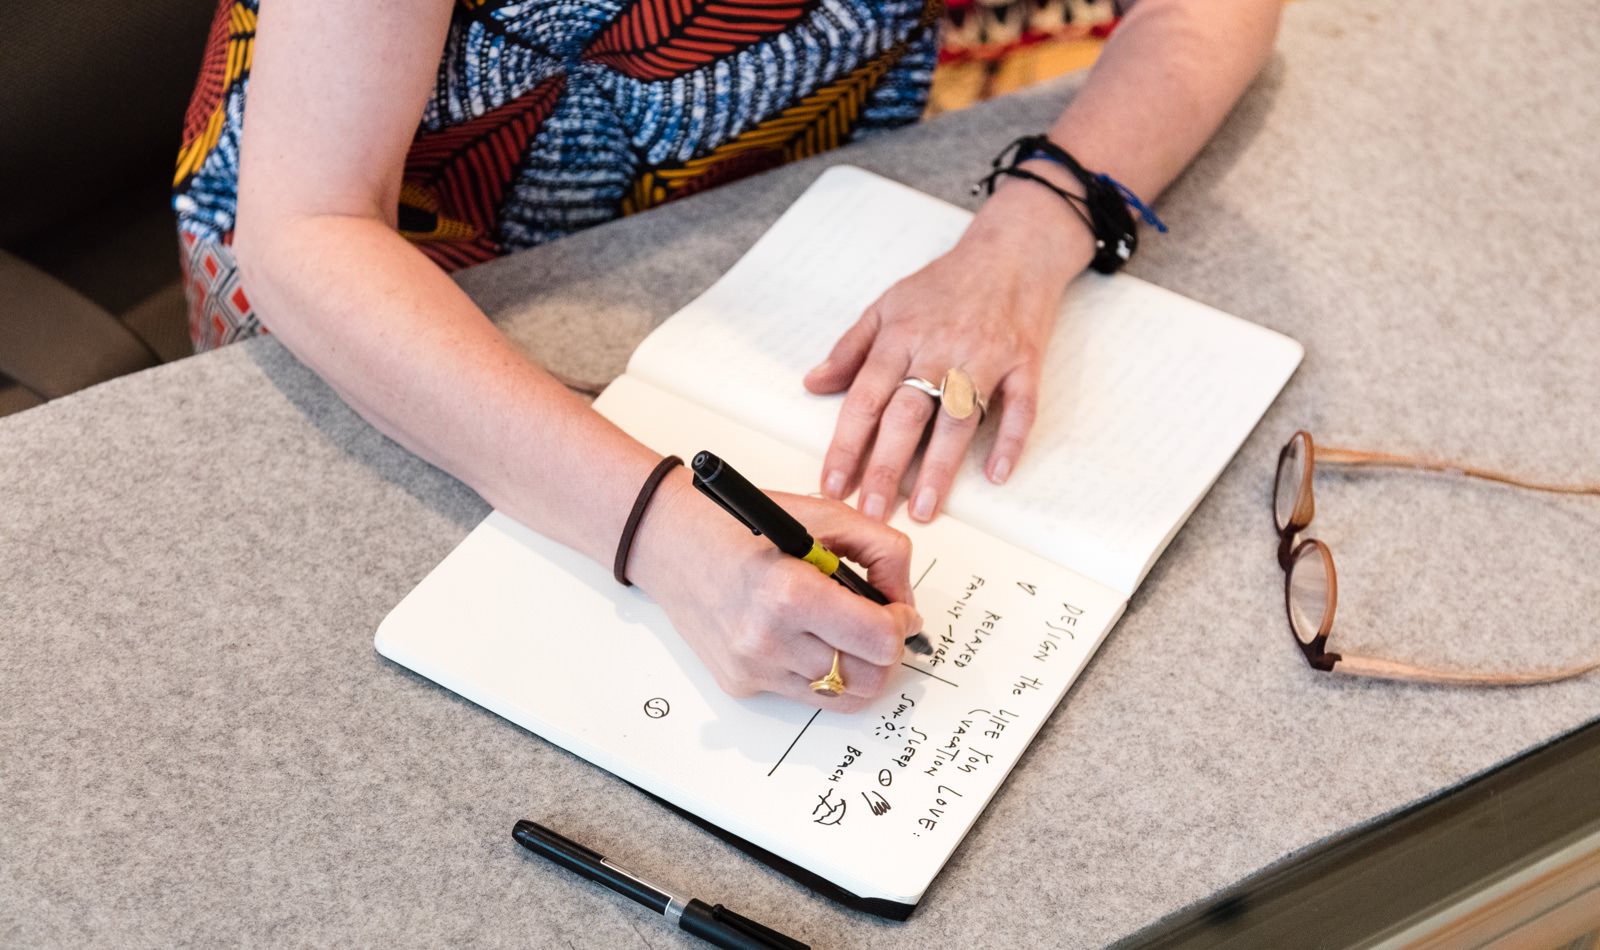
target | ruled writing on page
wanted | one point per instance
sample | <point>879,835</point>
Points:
<point>1145,397</point>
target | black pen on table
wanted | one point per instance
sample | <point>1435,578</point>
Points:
<point>714,924</point>
<point>719,481</point>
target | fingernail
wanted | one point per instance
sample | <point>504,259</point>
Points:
<point>922,508</point>
<point>873,507</point>
<point>1002,471</point>
<point>833,487</point>
<point>820,368</point>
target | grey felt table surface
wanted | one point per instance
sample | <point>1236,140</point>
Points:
<point>198,744</point>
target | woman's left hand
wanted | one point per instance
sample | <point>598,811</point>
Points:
<point>986,307</point>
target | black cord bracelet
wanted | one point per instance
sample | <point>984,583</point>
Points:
<point>619,567</point>
<point>1103,207</point>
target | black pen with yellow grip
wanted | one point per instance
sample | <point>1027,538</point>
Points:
<point>719,481</point>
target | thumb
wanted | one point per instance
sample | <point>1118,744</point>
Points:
<point>906,616</point>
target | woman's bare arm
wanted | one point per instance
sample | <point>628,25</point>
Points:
<point>336,93</point>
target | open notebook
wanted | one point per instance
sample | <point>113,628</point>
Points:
<point>1146,397</point>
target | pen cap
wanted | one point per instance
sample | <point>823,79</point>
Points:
<point>722,927</point>
<point>751,505</point>
<point>585,862</point>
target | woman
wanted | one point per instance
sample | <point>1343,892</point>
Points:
<point>318,194</point>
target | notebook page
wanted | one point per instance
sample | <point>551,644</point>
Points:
<point>874,802</point>
<point>1146,395</point>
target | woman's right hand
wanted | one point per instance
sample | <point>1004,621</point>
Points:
<point>763,621</point>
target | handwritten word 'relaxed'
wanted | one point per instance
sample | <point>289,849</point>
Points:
<point>980,633</point>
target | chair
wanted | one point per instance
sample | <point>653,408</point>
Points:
<point>92,97</point>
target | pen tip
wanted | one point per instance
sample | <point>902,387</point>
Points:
<point>918,643</point>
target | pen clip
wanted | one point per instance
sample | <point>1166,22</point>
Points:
<point>710,493</point>
<point>762,933</point>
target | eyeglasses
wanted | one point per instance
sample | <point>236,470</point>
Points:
<point>1311,586</point>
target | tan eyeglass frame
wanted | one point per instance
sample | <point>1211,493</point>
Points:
<point>1290,553</point>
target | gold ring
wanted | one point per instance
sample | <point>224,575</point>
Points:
<point>956,392</point>
<point>833,683</point>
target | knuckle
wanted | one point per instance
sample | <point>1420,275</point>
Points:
<point>938,472</point>
<point>845,457</point>
<point>883,477</point>
<point>883,645</point>
<point>908,413</point>
<point>871,680</point>
<point>899,545</point>
<point>783,591</point>
<point>747,643</point>
<point>738,686</point>
<point>862,409</point>
<point>1022,406</point>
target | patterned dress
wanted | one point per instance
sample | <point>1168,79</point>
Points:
<point>549,116</point>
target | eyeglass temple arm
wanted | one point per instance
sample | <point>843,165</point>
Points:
<point>1390,670</point>
<point>1337,456</point>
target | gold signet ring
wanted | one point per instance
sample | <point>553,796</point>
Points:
<point>833,683</point>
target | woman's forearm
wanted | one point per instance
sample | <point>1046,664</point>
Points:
<point>405,347</point>
<point>1166,79</point>
<point>1163,84</point>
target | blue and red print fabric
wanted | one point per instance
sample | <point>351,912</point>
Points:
<point>550,116</point>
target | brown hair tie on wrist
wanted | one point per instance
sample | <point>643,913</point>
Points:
<point>619,570</point>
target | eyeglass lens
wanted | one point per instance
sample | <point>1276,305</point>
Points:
<point>1291,475</point>
<point>1309,588</point>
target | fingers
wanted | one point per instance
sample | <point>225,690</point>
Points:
<point>779,654</point>
<point>863,680</point>
<point>835,373</point>
<point>1018,396</point>
<point>779,623</point>
<point>862,686</point>
<point>900,431</point>
<point>905,420</point>
<point>1019,405</point>
<point>883,422</point>
<point>863,406</point>
<point>882,550</point>
<point>946,450</point>
<point>857,626</point>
